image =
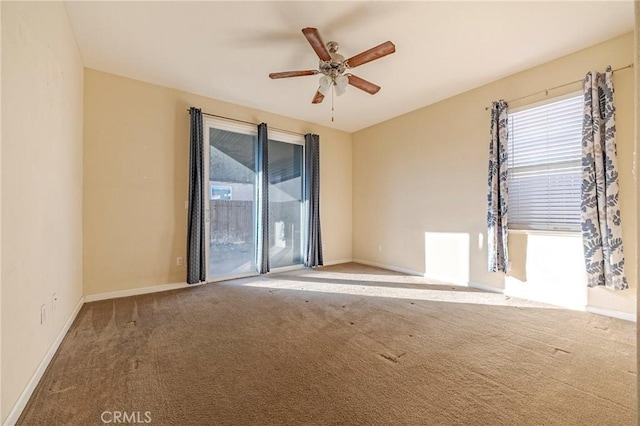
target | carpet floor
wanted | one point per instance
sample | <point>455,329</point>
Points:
<point>343,345</point>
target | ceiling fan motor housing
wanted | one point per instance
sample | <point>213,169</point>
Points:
<point>336,66</point>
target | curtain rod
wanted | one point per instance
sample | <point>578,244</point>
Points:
<point>248,122</point>
<point>546,92</point>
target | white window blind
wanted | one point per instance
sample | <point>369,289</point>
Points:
<point>545,166</point>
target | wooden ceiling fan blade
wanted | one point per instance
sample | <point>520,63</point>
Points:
<point>372,54</point>
<point>314,39</point>
<point>363,84</point>
<point>317,98</point>
<point>286,74</point>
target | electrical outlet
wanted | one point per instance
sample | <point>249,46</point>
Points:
<point>54,300</point>
<point>43,314</point>
<point>186,205</point>
<point>380,248</point>
<point>180,261</point>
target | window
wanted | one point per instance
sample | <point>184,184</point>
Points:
<point>545,166</point>
<point>219,192</point>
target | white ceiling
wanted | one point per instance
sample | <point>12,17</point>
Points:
<point>225,50</point>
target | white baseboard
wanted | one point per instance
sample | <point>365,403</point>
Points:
<point>611,313</point>
<point>16,411</point>
<point>135,291</point>
<point>337,262</point>
<point>389,267</point>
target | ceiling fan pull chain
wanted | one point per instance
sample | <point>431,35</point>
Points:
<point>332,102</point>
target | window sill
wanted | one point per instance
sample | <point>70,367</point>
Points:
<point>558,233</point>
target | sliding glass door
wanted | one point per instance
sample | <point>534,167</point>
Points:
<point>232,196</point>
<point>285,203</point>
<point>230,207</point>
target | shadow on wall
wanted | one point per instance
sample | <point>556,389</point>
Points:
<point>180,191</point>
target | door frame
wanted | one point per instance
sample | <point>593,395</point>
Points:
<point>276,135</point>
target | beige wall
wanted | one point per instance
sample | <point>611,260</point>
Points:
<point>41,185</point>
<point>1,412</point>
<point>637,145</point>
<point>419,189</point>
<point>136,153</point>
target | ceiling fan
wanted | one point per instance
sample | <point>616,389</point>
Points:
<point>333,66</point>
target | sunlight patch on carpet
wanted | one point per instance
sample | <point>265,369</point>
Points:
<point>445,296</point>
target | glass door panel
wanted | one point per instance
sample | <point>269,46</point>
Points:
<point>232,203</point>
<point>285,204</point>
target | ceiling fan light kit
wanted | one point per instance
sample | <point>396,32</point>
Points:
<point>333,66</point>
<point>339,84</point>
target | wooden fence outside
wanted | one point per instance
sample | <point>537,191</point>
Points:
<point>231,221</point>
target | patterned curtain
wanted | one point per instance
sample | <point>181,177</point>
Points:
<point>196,267</point>
<point>601,224</point>
<point>313,252</point>
<point>497,190</point>
<point>263,200</point>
